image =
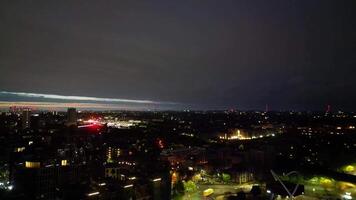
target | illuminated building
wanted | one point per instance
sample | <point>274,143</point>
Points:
<point>64,162</point>
<point>30,164</point>
<point>19,149</point>
<point>235,135</point>
<point>26,115</point>
<point>112,154</point>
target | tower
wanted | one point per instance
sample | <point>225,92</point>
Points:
<point>26,115</point>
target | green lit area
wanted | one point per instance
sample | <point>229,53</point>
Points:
<point>349,169</point>
<point>321,186</point>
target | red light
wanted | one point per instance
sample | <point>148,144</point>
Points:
<point>160,143</point>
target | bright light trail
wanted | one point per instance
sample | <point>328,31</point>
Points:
<point>82,98</point>
<point>88,125</point>
<point>128,186</point>
<point>93,194</point>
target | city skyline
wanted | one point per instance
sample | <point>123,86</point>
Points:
<point>177,100</point>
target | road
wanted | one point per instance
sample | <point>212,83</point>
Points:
<point>219,191</point>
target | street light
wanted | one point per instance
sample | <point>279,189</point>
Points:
<point>92,194</point>
<point>156,179</point>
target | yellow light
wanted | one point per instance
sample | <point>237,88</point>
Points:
<point>64,163</point>
<point>325,180</point>
<point>29,164</point>
<point>197,177</point>
<point>349,168</point>
<point>208,192</point>
<point>118,152</point>
<point>19,149</point>
<point>174,177</point>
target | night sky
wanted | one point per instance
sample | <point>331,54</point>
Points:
<point>289,54</point>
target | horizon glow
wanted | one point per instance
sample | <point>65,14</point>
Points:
<point>83,98</point>
<point>63,106</point>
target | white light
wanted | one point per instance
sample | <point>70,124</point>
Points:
<point>269,191</point>
<point>157,179</point>
<point>10,187</point>
<point>93,194</point>
<point>82,98</point>
<point>102,184</point>
<point>347,196</point>
<point>128,186</point>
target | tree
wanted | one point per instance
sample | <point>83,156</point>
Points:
<point>190,186</point>
<point>226,178</point>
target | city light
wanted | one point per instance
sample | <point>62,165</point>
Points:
<point>64,162</point>
<point>128,186</point>
<point>208,192</point>
<point>92,194</point>
<point>10,187</point>
<point>29,164</point>
<point>19,149</point>
<point>349,168</point>
<point>347,196</point>
<point>178,101</point>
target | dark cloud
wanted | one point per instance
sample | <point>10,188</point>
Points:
<point>204,54</point>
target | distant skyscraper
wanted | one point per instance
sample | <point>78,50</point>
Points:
<point>72,116</point>
<point>26,115</point>
<point>266,108</point>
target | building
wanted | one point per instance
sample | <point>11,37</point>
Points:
<point>72,117</point>
<point>26,117</point>
<point>35,180</point>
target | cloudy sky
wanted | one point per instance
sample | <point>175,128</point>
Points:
<point>243,54</point>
